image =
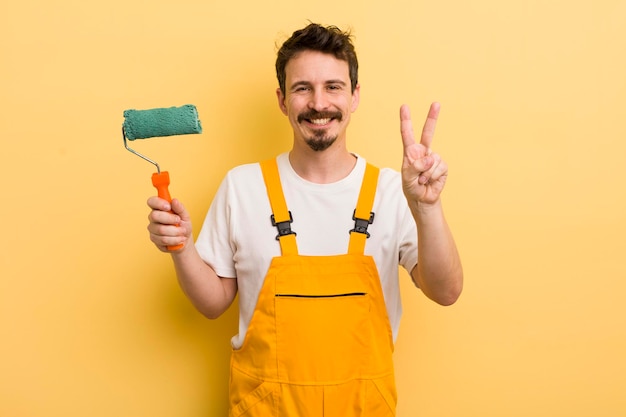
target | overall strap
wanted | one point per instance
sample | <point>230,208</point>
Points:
<point>281,217</point>
<point>363,215</point>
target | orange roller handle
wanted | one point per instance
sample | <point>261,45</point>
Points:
<point>161,180</point>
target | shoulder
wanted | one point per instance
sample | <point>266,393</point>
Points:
<point>239,185</point>
<point>250,171</point>
<point>244,171</point>
<point>389,176</point>
<point>389,179</point>
<point>389,188</point>
<point>389,194</point>
<point>242,178</point>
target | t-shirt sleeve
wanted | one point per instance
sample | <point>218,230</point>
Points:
<point>408,240</point>
<point>213,242</point>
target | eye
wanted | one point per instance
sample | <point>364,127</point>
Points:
<point>301,88</point>
<point>335,87</point>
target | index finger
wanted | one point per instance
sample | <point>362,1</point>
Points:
<point>406,126</point>
<point>157,203</point>
<point>428,131</point>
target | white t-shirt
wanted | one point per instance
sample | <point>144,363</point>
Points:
<point>238,240</point>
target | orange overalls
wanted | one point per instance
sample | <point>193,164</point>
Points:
<point>319,342</point>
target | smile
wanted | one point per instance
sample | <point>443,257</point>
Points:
<point>316,118</point>
<point>320,122</point>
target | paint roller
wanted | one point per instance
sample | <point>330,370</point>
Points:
<point>159,122</point>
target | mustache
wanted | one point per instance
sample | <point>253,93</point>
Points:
<point>314,114</point>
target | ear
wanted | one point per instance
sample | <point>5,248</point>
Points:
<point>281,101</point>
<point>356,97</point>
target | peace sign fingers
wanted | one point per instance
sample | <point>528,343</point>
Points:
<point>423,172</point>
<point>406,127</point>
<point>428,131</point>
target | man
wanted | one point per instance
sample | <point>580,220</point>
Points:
<point>311,241</point>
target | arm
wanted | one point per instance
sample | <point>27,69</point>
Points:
<point>208,292</point>
<point>438,272</point>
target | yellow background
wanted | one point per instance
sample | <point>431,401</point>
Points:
<point>532,125</point>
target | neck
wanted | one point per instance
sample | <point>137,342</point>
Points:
<point>323,167</point>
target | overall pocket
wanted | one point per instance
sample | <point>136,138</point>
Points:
<point>321,338</point>
<point>381,397</point>
<point>251,397</point>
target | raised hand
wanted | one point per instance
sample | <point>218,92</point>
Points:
<point>424,173</point>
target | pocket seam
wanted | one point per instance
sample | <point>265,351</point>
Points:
<point>385,395</point>
<point>253,398</point>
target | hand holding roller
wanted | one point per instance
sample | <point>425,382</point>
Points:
<point>143,124</point>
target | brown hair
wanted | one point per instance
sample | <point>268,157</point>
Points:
<point>315,37</point>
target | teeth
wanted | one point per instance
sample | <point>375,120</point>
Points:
<point>320,121</point>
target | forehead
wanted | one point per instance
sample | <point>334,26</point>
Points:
<point>315,66</point>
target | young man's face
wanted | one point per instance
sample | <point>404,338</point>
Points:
<point>318,99</point>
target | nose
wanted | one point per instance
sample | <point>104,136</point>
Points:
<point>318,100</point>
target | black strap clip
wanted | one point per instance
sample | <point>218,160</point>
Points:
<point>284,228</point>
<point>360,225</point>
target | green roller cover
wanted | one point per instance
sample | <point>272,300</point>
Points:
<point>142,124</point>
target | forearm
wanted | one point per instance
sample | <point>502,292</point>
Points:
<point>438,273</point>
<point>209,293</point>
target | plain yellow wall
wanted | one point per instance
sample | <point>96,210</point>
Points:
<point>533,127</point>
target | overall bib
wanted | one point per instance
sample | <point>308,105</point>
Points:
<point>319,342</point>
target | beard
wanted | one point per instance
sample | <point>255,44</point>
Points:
<point>320,140</point>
